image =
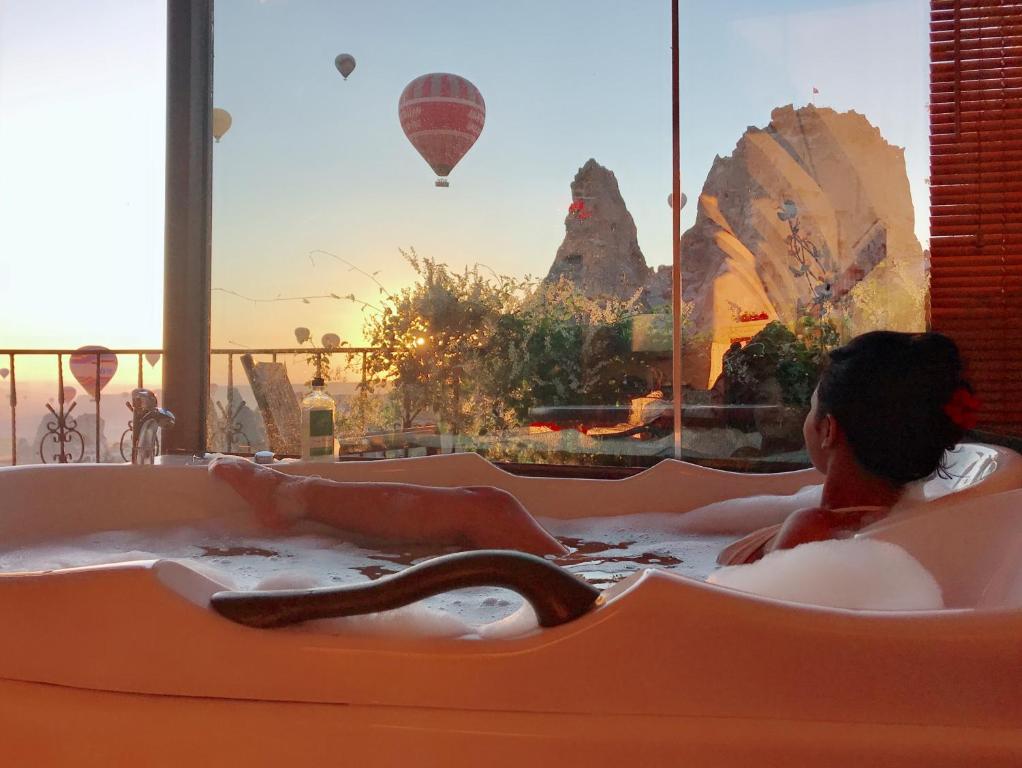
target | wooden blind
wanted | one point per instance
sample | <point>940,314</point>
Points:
<point>976,195</point>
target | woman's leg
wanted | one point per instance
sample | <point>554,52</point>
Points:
<point>480,517</point>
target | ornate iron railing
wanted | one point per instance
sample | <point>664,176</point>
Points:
<point>63,439</point>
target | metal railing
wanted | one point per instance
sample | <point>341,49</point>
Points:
<point>231,429</point>
<point>63,440</point>
<point>62,433</point>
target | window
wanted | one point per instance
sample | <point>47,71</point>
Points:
<point>457,224</point>
<point>805,166</point>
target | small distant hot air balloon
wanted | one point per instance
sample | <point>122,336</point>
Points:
<point>152,358</point>
<point>670,200</point>
<point>302,335</point>
<point>345,64</point>
<point>442,115</point>
<point>83,368</point>
<point>221,123</point>
<point>331,340</point>
<point>69,394</point>
<point>3,373</point>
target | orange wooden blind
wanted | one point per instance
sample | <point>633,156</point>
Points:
<point>976,195</point>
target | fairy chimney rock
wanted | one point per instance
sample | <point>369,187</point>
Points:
<point>814,186</point>
<point>600,253</point>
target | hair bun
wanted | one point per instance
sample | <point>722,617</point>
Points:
<point>939,362</point>
<point>900,399</point>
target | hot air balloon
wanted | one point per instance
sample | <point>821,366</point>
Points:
<point>331,340</point>
<point>670,200</point>
<point>69,394</point>
<point>83,368</point>
<point>302,335</point>
<point>345,64</point>
<point>152,358</point>
<point>221,123</point>
<point>3,373</point>
<point>442,115</point>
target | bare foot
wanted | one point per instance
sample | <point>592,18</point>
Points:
<point>261,487</point>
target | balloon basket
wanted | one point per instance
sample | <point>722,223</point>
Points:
<point>441,183</point>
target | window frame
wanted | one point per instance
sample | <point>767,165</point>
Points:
<point>188,227</point>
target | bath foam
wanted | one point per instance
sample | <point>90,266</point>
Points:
<point>241,554</point>
<point>857,574</point>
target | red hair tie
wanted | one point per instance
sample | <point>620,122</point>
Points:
<point>963,408</point>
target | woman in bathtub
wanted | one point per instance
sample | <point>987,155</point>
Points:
<point>887,407</point>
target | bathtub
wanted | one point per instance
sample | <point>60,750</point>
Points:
<point>124,663</point>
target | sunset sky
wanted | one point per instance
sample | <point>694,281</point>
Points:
<point>313,162</point>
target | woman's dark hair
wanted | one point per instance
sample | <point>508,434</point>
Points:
<point>887,392</point>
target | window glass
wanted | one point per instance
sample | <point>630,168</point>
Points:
<point>805,156</point>
<point>461,220</point>
<point>458,213</point>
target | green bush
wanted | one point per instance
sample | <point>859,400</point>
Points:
<point>777,361</point>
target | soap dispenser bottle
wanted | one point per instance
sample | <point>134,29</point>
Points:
<point>318,423</point>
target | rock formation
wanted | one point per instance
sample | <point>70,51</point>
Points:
<point>811,215</point>
<point>600,253</point>
<point>816,180</point>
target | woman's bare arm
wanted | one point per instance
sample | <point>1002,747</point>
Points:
<point>747,514</point>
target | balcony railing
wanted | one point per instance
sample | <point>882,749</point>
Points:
<point>66,435</point>
<point>63,436</point>
<point>63,439</point>
<point>231,433</point>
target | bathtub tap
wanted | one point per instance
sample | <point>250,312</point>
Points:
<point>146,419</point>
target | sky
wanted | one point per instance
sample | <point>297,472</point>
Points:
<point>313,162</point>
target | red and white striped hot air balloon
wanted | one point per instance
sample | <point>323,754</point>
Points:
<point>442,115</point>
<point>83,365</point>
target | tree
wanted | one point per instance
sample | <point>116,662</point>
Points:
<point>560,348</point>
<point>478,352</point>
<point>432,335</point>
<point>776,366</point>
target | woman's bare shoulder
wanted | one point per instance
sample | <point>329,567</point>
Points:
<point>804,525</point>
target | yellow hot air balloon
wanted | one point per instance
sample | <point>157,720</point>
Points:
<point>221,122</point>
<point>345,64</point>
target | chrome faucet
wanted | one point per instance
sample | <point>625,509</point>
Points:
<point>146,419</point>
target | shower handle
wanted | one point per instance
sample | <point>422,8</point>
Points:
<point>556,595</point>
